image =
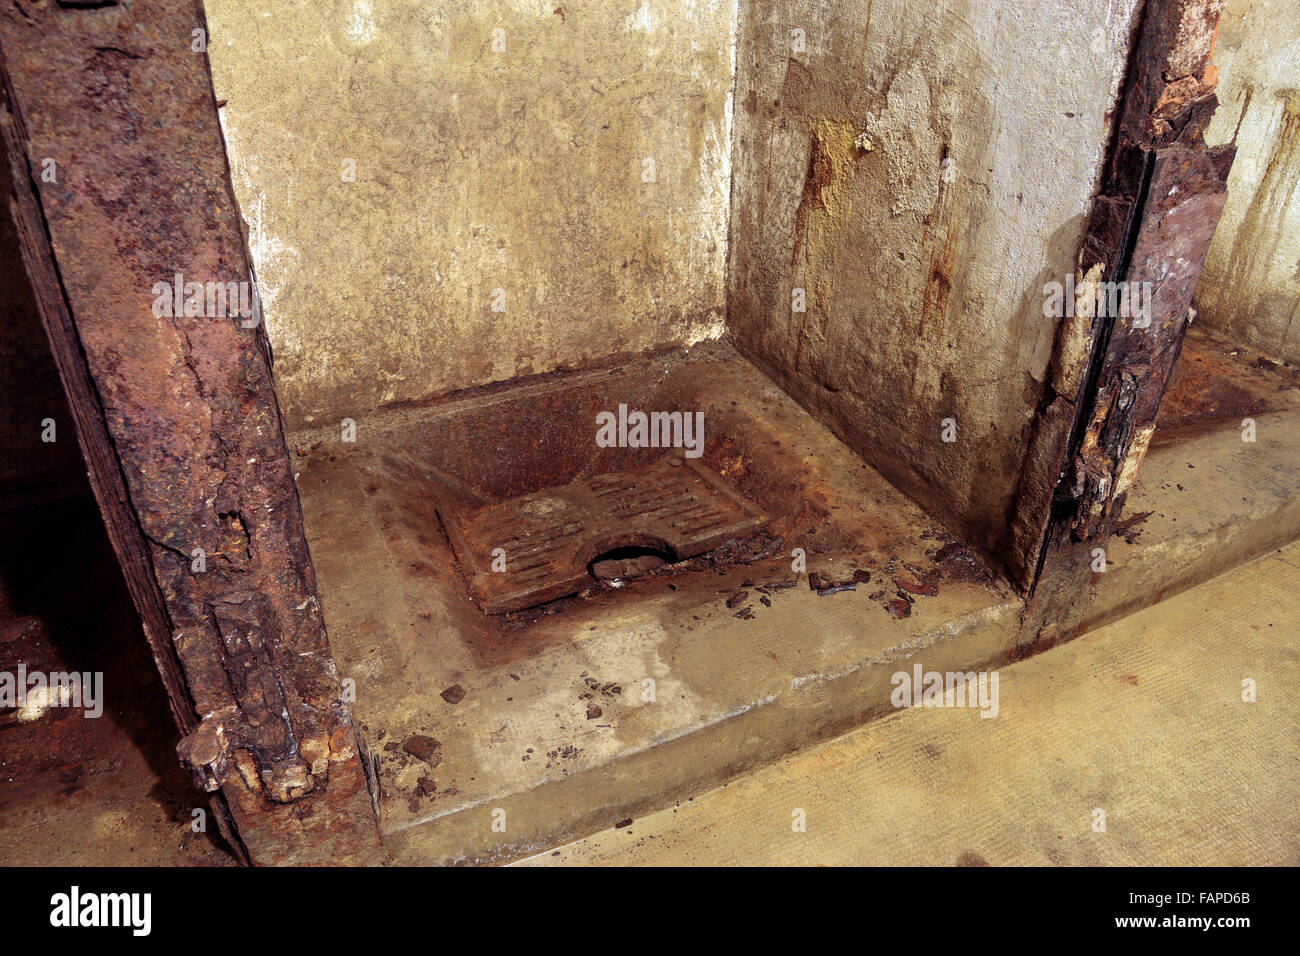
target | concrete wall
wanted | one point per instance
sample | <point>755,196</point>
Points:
<point>924,290</point>
<point>521,170</point>
<point>1250,290</point>
<point>476,170</point>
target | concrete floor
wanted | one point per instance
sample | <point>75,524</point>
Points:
<point>550,726</point>
<point>1103,719</point>
<point>96,798</point>
<point>551,722</point>
<point>80,791</point>
<point>1205,501</point>
<point>1143,720</point>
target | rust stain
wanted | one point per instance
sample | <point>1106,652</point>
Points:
<point>1211,386</point>
<point>866,33</point>
<point>1254,247</point>
<point>825,204</point>
<point>1247,92</point>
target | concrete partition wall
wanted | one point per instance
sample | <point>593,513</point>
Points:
<point>445,195</point>
<point>919,171</point>
<point>1250,290</point>
<point>442,195</point>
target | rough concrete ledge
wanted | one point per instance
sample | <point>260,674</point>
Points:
<point>1215,502</point>
<point>1144,718</point>
<point>813,669</point>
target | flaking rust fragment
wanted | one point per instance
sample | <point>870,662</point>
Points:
<point>1133,460</point>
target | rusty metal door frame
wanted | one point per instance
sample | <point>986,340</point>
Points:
<point>119,183</point>
<point>1163,191</point>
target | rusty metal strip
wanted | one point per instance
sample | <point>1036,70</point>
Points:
<point>1162,195</point>
<point>120,100</point>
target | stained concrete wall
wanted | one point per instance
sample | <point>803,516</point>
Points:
<point>1250,289</point>
<point>519,169</point>
<point>921,171</point>
<point>924,281</point>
